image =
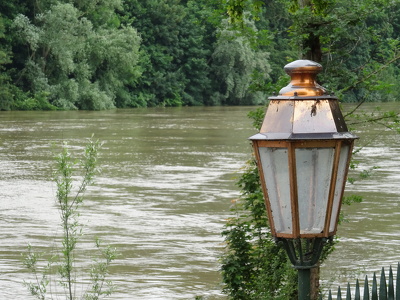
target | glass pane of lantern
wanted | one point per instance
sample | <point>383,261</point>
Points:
<point>340,182</point>
<point>276,174</point>
<point>314,171</point>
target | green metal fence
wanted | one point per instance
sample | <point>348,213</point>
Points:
<point>386,290</point>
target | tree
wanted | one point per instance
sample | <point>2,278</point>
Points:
<point>237,66</point>
<point>6,95</point>
<point>174,56</point>
<point>73,63</point>
<point>354,40</point>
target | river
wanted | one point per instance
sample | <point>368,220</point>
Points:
<point>167,181</point>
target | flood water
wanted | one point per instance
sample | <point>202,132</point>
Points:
<point>167,181</point>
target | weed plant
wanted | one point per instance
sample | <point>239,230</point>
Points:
<point>61,268</point>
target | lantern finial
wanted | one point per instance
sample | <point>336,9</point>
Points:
<point>303,74</point>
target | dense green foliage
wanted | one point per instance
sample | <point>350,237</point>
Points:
<point>69,60</point>
<point>357,42</point>
<point>174,52</point>
<point>97,54</point>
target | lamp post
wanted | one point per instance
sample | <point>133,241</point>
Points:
<point>303,152</point>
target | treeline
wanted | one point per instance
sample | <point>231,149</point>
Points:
<point>101,54</point>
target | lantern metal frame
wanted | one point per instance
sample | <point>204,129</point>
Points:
<point>292,144</point>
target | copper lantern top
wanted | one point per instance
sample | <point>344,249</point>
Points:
<point>303,109</point>
<point>303,75</point>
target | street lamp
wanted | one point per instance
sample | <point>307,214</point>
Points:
<point>303,152</point>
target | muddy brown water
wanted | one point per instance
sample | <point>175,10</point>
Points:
<point>167,181</point>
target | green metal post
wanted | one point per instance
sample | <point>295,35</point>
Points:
<point>304,255</point>
<point>304,281</point>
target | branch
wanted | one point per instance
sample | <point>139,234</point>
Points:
<point>371,74</point>
<point>364,98</point>
<point>375,120</point>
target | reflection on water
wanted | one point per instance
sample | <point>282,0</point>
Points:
<point>163,195</point>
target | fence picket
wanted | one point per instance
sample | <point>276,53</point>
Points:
<point>382,286</point>
<point>391,287</point>
<point>387,289</point>
<point>366,289</point>
<point>374,295</point>
<point>348,292</point>
<point>339,294</point>
<point>357,293</point>
<point>398,282</point>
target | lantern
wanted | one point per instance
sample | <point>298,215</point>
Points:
<point>303,152</point>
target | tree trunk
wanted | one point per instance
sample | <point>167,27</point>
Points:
<point>304,3</point>
<point>312,43</point>
<point>313,46</point>
<point>314,289</point>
